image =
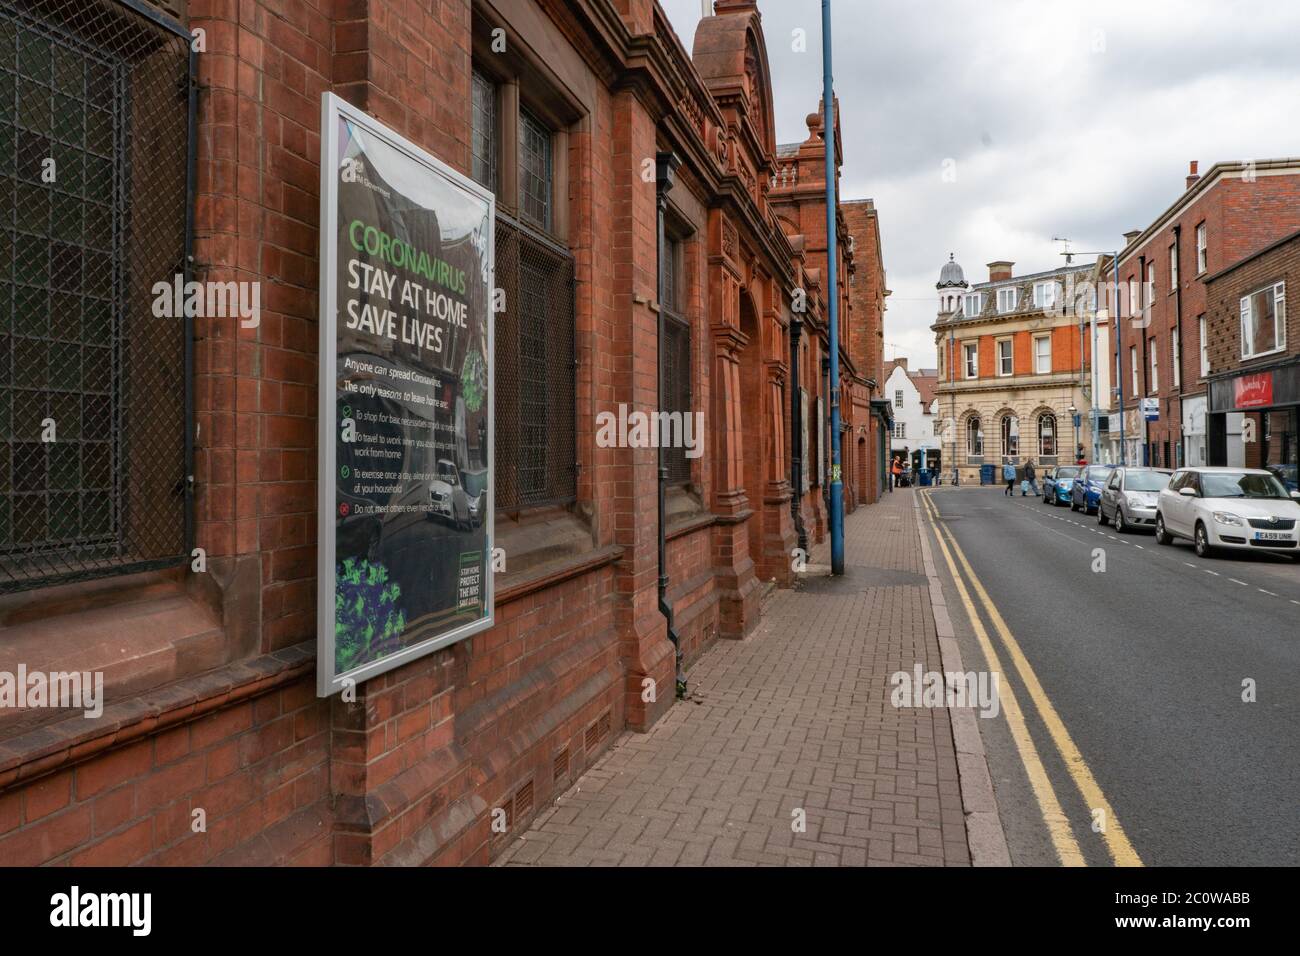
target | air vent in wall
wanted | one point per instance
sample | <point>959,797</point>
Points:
<point>560,768</point>
<point>524,801</point>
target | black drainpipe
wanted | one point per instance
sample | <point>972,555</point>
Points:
<point>796,434</point>
<point>665,165</point>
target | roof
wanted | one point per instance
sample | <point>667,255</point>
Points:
<point>926,381</point>
<point>951,274</point>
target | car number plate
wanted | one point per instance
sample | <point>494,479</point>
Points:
<point>1271,536</point>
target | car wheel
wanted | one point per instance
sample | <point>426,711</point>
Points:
<point>1162,536</point>
<point>1101,515</point>
<point>1203,548</point>
<point>1120,527</point>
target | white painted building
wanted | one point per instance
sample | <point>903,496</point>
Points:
<point>911,395</point>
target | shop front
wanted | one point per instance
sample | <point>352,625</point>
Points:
<point>1253,420</point>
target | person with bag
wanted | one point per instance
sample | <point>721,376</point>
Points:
<point>1009,476</point>
<point>1030,484</point>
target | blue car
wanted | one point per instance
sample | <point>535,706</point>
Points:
<point>1085,496</point>
<point>1057,484</point>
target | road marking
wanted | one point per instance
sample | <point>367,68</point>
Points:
<point>1058,824</point>
<point>1117,843</point>
<point>1208,571</point>
<point>1262,591</point>
<point>1242,583</point>
<point>1190,565</point>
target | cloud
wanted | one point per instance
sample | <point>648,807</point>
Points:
<point>1062,120</point>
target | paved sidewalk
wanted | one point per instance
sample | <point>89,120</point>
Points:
<point>795,718</point>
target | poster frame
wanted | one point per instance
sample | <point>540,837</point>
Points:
<point>328,681</point>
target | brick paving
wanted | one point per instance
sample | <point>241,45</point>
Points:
<point>796,717</point>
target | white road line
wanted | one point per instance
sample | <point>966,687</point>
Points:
<point>1242,583</point>
<point>1189,564</point>
<point>1208,571</point>
<point>1262,591</point>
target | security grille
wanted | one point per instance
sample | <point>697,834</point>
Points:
<point>95,167</point>
<point>677,393</point>
<point>535,425</point>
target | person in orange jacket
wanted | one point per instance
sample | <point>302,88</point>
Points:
<point>897,469</point>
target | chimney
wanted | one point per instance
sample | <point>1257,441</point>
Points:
<point>1130,236</point>
<point>1000,270</point>
<point>901,363</point>
<point>1192,174</point>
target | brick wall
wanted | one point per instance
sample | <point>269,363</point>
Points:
<point>1241,217</point>
<point>412,771</point>
<point>1223,305</point>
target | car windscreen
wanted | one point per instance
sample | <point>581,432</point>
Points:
<point>1241,485</point>
<point>1099,474</point>
<point>447,473</point>
<point>1066,472</point>
<point>1146,480</point>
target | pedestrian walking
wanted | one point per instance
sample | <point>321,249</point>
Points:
<point>1031,478</point>
<point>1009,476</point>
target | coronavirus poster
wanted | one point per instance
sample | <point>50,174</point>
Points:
<point>405,509</point>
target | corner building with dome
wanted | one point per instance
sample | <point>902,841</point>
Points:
<point>1014,368</point>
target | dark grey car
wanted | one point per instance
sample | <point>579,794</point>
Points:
<point>1129,498</point>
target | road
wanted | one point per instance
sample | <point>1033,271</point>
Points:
<point>1141,668</point>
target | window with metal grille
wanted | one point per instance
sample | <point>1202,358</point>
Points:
<point>676,356</point>
<point>535,173</point>
<point>535,424</point>
<point>483,132</point>
<point>95,161</point>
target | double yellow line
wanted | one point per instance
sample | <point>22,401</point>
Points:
<point>1058,825</point>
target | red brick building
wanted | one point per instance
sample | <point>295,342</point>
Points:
<point>1253,349</point>
<point>1233,210</point>
<point>175,550</point>
<point>867,294</point>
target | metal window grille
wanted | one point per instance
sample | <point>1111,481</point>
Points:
<point>535,411</point>
<point>676,356</point>
<point>96,122</point>
<point>483,139</point>
<point>535,172</point>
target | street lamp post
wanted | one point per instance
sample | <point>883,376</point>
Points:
<point>832,268</point>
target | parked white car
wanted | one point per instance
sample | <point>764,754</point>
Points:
<point>1242,508</point>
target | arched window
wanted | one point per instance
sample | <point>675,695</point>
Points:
<point>1010,436</point>
<point>974,437</point>
<point>1047,435</point>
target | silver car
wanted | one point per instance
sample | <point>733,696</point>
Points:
<point>1130,496</point>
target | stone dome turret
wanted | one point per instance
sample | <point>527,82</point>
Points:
<point>951,275</point>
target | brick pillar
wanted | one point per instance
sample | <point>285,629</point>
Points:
<point>737,581</point>
<point>643,639</point>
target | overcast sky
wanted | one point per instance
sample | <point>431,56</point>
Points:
<point>1057,119</point>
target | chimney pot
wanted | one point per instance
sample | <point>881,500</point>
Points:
<point>1192,174</point>
<point>1130,236</point>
